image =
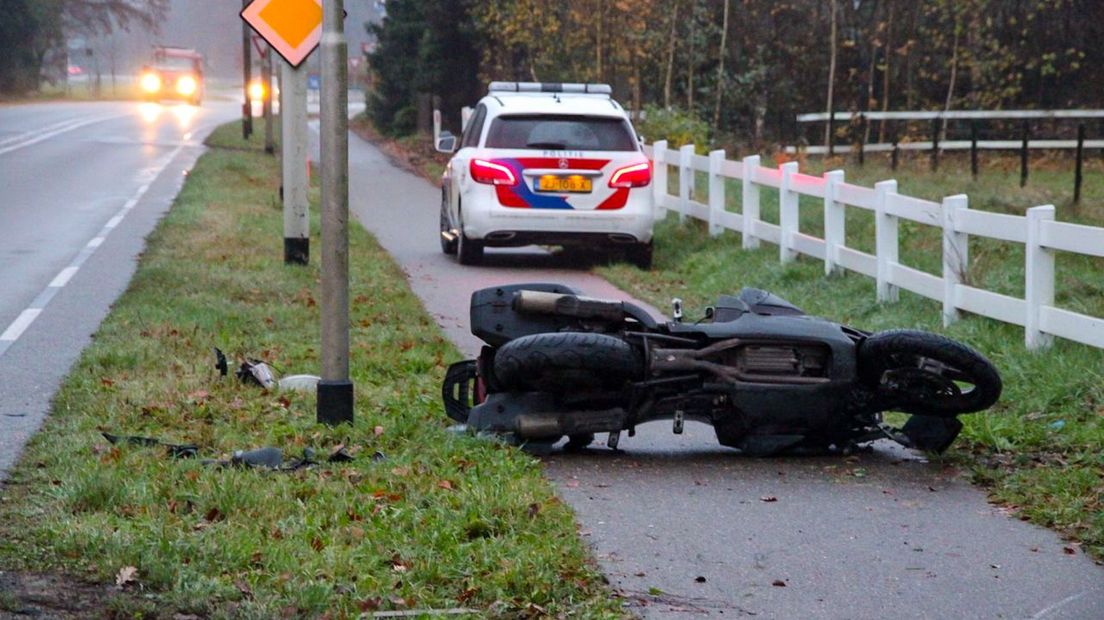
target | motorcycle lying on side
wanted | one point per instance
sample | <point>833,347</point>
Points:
<point>769,378</point>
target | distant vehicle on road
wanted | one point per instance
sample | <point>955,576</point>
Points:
<point>176,73</point>
<point>550,164</point>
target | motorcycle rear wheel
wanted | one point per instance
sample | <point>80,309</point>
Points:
<point>928,374</point>
<point>561,361</point>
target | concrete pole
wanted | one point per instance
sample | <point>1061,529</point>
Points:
<point>247,76</point>
<point>335,390</point>
<point>293,121</point>
<point>266,79</point>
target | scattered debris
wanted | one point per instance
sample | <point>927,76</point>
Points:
<point>301,383</point>
<point>778,583</point>
<point>257,372</point>
<point>263,374</point>
<point>126,575</point>
<point>175,450</point>
<point>699,579</point>
<point>768,498</point>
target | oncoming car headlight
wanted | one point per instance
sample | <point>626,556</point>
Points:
<point>187,86</point>
<point>151,82</point>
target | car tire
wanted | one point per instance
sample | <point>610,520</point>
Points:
<point>469,251</point>
<point>448,247</point>
<point>640,255</point>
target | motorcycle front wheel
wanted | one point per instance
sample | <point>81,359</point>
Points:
<point>562,361</point>
<point>928,374</point>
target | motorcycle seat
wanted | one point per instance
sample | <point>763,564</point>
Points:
<point>754,300</point>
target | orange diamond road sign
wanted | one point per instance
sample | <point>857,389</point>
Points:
<point>292,27</point>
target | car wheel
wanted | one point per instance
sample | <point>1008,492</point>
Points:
<point>641,255</point>
<point>469,251</point>
<point>448,247</point>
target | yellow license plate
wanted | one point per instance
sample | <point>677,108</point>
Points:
<point>573,184</point>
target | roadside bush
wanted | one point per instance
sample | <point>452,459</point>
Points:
<point>675,126</point>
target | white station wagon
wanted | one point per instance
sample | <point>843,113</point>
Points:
<point>547,164</point>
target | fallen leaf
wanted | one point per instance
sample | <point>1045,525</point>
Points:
<point>378,431</point>
<point>534,509</point>
<point>1069,550</point>
<point>699,579</point>
<point>214,514</point>
<point>400,471</point>
<point>244,588</point>
<point>445,484</point>
<point>199,395</point>
<point>640,574</point>
<point>768,498</point>
<point>317,543</point>
<point>127,574</point>
<point>571,484</point>
<point>370,604</point>
<point>778,583</point>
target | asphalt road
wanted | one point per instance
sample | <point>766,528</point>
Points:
<point>81,185</point>
<point>686,528</point>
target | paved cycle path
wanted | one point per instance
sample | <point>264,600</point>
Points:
<point>684,527</point>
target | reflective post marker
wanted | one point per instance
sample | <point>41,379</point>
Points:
<point>293,122</point>
<point>335,390</point>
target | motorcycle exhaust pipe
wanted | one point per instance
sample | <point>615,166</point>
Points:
<point>537,302</point>
<point>544,425</point>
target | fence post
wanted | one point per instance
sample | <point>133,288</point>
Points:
<point>750,202</point>
<point>1023,153</point>
<point>956,254</point>
<point>835,223</point>
<point>788,213</point>
<point>1039,285</point>
<point>716,191</point>
<point>885,239</point>
<point>1077,170</point>
<point>659,183</point>
<point>686,180</point>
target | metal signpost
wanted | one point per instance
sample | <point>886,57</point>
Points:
<point>293,119</point>
<point>294,28</point>
<point>247,70</point>
<point>335,391</point>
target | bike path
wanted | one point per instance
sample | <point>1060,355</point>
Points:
<point>685,528</point>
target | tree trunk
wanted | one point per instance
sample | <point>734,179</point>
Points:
<point>954,74</point>
<point>692,56</point>
<point>831,71</point>
<point>720,68</point>
<point>886,71</point>
<point>670,57</point>
<point>598,39</point>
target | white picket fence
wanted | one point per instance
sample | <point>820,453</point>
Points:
<point>1038,231</point>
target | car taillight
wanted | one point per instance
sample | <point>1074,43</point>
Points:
<point>636,175</point>
<point>492,173</point>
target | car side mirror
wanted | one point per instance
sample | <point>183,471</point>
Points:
<point>446,142</point>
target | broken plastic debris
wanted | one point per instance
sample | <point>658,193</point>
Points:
<point>174,450</point>
<point>305,383</point>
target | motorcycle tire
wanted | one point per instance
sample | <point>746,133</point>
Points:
<point>563,361</point>
<point>924,391</point>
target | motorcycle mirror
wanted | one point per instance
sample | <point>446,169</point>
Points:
<point>709,310</point>
<point>676,309</point>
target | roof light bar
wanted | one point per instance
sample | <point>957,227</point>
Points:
<point>550,87</point>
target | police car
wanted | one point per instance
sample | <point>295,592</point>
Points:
<point>548,164</point>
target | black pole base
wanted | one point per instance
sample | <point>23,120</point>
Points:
<point>296,250</point>
<point>335,402</point>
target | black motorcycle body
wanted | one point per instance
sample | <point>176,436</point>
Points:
<point>766,376</point>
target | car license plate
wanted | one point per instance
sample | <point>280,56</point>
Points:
<point>572,184</point>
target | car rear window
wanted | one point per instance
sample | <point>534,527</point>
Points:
<point>560,132</point>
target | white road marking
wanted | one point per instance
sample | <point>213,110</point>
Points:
<point>28,316</point>
<point>29,134</point>
<point>50,132</point>
<point>63,277</point>
<point>1046,611</point>
<point>20,324</point>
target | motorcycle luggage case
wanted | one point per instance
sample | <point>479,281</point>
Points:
<point>494,321</point>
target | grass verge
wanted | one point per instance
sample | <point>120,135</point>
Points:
<point>440,521</point>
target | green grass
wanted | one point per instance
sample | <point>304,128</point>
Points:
<point>442,521</point>
<point>1039,449</point>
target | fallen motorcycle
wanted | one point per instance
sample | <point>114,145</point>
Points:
<point>769,378</point>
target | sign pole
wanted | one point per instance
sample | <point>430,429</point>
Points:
<point>247,71</point>
<point>335,390</point>
<point>266,79</point>
<point>293,121</point>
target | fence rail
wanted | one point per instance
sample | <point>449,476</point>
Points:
<point>1041,235</point>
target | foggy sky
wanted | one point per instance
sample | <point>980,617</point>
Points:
<point>211,26</point>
